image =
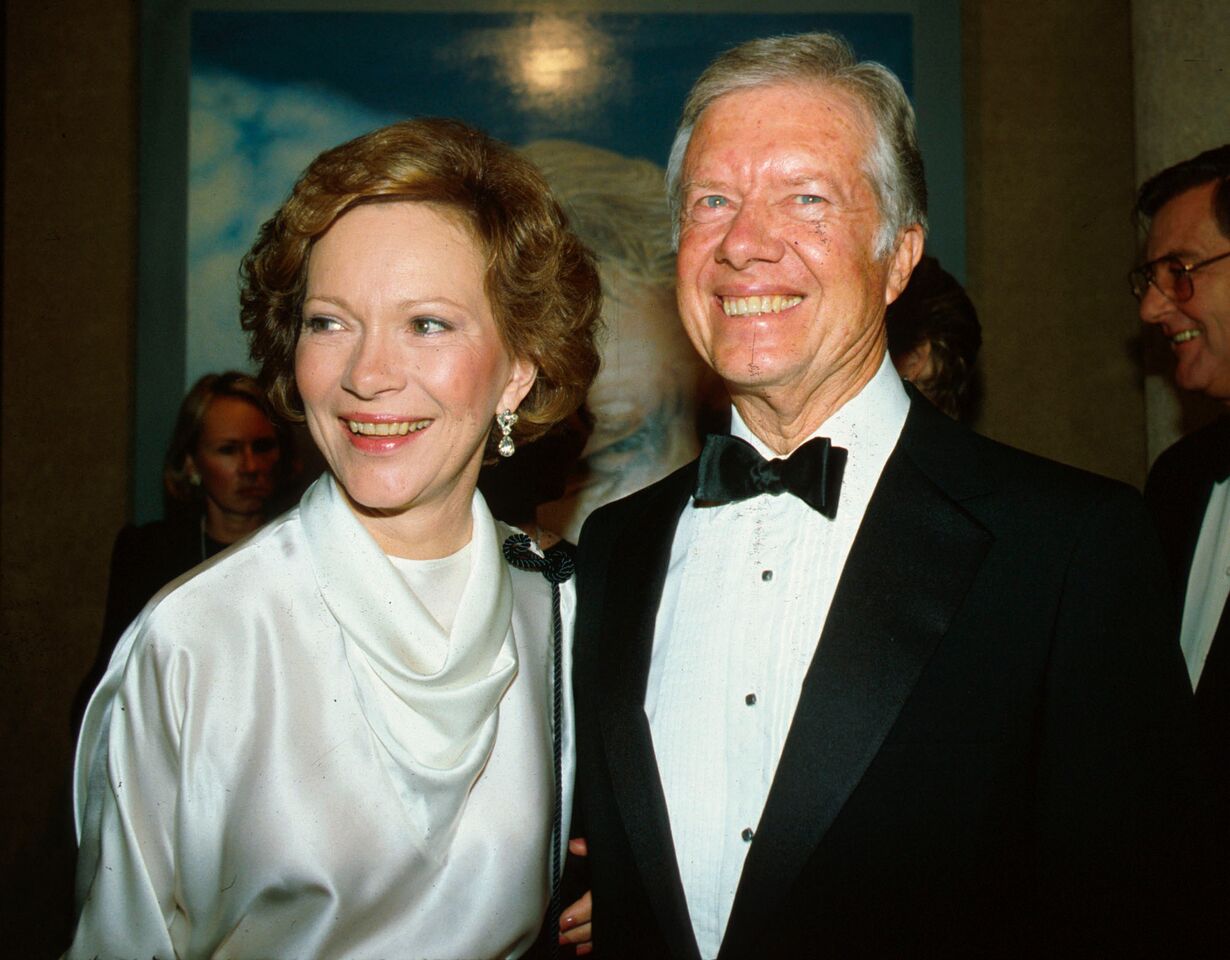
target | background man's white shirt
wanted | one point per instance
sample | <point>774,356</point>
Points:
<point>1208,583</point>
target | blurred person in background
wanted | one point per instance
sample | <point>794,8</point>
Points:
<point>229,458</point>
<point>653,398</point>
<point>1183,288</point>
<point>933,339</point>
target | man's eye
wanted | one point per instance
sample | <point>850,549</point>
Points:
<point>427,325</point>
<point>808,199</point>
<point>713,202</point>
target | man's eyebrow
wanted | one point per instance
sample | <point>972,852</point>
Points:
<point>1185,254</point>
<point>691,185</point>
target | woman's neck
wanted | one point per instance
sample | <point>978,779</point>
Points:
<point>224,527</point>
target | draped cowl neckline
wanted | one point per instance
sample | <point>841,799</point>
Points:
<point>430,697</point>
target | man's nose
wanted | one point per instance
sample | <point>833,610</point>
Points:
<point>750,237</point>
<point>1153,306</point>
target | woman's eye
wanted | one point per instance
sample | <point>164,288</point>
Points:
<point>264,445</point>
<point>429,325</point>
<point>319,324</point>
<point>227,449</point>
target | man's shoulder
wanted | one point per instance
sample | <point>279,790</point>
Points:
<point>1192,456</point>
<point>971,466</point>
<point>665,495</point>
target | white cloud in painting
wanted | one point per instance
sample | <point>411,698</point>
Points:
<point>247,142</point>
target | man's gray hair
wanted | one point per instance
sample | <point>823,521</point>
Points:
<point>893,165</point>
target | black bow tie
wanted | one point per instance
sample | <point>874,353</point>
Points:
<point>731,469</point>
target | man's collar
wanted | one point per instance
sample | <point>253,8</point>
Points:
<point>882,404</point>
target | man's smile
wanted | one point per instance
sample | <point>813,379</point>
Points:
<point>754,306</point>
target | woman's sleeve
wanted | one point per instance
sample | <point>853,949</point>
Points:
<point>129,763</point>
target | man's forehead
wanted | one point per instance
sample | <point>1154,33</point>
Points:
<point>806,128</point>
<point>1184,225</point>
<point>819,95</point>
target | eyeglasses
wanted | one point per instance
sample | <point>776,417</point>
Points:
<point>1171,276</point>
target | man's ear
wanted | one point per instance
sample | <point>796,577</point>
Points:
<point>905,258</point>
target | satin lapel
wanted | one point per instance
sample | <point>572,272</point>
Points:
<point>919,550</point>
<point>639,561</point>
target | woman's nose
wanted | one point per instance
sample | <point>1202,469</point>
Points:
<point>373,368</point>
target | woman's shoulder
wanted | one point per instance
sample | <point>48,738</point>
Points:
<point>237,584</point>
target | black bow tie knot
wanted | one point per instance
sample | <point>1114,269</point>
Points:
<point>731,470</point>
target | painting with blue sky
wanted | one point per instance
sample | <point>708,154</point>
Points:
<point>270,90</point>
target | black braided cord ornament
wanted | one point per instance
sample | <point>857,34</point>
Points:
<point>557,567</point>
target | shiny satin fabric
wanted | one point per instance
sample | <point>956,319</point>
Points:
<point>283,760</point>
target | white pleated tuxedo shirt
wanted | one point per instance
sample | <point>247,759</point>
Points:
<point>1208,583</point>
<point>746,596</point>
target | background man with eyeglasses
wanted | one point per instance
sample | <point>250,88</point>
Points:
<point>1184,291</point>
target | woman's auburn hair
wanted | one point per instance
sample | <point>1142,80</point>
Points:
<point>541,280</point>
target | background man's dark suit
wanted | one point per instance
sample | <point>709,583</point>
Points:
<point>970,769</point>
<point>1178,492</point>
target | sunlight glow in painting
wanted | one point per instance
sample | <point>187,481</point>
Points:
<point>558,60</point>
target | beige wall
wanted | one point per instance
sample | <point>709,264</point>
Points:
<point>69,239</point>
<point>1050,180</point>
<point>1051,174</point>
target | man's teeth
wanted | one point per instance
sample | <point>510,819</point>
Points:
<point>1185,336</point>
<point>752,306</point>
<point>398,428</point>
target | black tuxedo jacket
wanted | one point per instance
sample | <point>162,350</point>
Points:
<point>991,751</point>
<point>1177,493</point>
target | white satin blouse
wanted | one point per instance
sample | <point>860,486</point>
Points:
<point>288,758</point>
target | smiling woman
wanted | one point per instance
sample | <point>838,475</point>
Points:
<point>349,736</point>
<point>399,349</point>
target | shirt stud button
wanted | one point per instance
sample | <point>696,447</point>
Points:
<point>766,575</point>
<point>750,699</point>
<point>747,834</point>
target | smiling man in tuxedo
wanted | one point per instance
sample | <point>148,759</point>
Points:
<point>858,681</point>
<point>1184,293</point>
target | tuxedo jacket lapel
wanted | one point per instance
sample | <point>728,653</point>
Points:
<point>919,550</point>
<point>638,569</point>
<point>1179,497</point>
